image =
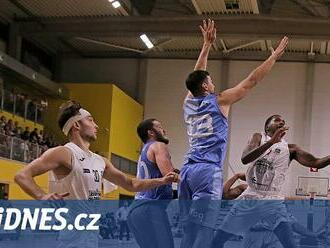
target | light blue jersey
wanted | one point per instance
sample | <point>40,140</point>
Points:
<point>148,170</point>
<point>207,130</point>
<point>201,175</point>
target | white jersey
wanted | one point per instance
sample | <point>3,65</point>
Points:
<point>266,175</point>
<point>85,179</point>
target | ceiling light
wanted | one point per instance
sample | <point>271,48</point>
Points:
<point>146,41</point>
<point>116,4</point>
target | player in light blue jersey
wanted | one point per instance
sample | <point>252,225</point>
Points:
<point>205,115</point>
<point>155,160</point>
<point>148,219</point>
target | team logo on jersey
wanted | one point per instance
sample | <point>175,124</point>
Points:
<point>278,150</point>
<point>94,194</point>
<point>96,176</point>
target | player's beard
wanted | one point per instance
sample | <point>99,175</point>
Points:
<point>161,138</point>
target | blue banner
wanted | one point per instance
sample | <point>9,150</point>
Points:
<point>202,223</point>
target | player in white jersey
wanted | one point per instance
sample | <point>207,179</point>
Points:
<point>268,156</point>
<point>75,171</point>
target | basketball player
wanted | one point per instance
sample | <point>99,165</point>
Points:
<point>269,156</point>
<point>75,171</point>
<point>259,235</point>
<point>148,219</point>
<point>205,114</point>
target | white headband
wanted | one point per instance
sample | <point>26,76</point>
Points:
<point>69,123</point>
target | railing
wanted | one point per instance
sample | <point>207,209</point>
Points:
<point>20,150</point>
<point>20,105</point>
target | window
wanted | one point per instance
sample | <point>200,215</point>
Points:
<point>125,165</point>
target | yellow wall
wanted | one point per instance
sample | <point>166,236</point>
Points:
<point>8,170</point>
<point>96,98</point>
<point>22,122</point>
<point>126,114</point>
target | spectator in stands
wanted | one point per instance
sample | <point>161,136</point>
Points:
<point>26,134</point>
<point>16,125</point>
<point>107,224</point>
<point>111,222</point>
<point>9,127</point>
<point>25,150</point>
<point>122,219</point>
<point>41,137</point>
<point>3,121</point>
<point>34,136</point>
<point>18,132</point>
<point>50,142</point>
<point>15,128</point>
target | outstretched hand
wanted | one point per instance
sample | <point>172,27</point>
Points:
<point>171,177</point>
<point>280,48</point>
<point>209,31</point>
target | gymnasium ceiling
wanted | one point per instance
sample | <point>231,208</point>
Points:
<point>246,28</point>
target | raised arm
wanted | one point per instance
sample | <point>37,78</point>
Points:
<point>307,159</point>
<point>254,150</point>
<point>209,34</point>
<point>232,95</point>
<point>52,159</point>
<point>133,184</point>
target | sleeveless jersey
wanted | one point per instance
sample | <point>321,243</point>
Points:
<point>85,179</point>
<point>207,129</point>
<point>148,170</point>
<point>266,175</point>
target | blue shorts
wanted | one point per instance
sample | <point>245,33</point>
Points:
<point>200,181</point>
<point>200,191</point>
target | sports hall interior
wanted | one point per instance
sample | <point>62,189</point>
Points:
<point>91,51</point>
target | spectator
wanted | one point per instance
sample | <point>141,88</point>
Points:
<point>3,121</point>
<point>122,219</point>
<point>25,150</point>
<point>41,137</point>
<point>34,136</point>
<point>50,141</point>
<point>107,224</point>
<point>9,127</point>
<point>26,134</point>
<point>18,132</point>
<point>15,127</point>
<point>111,223</point>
